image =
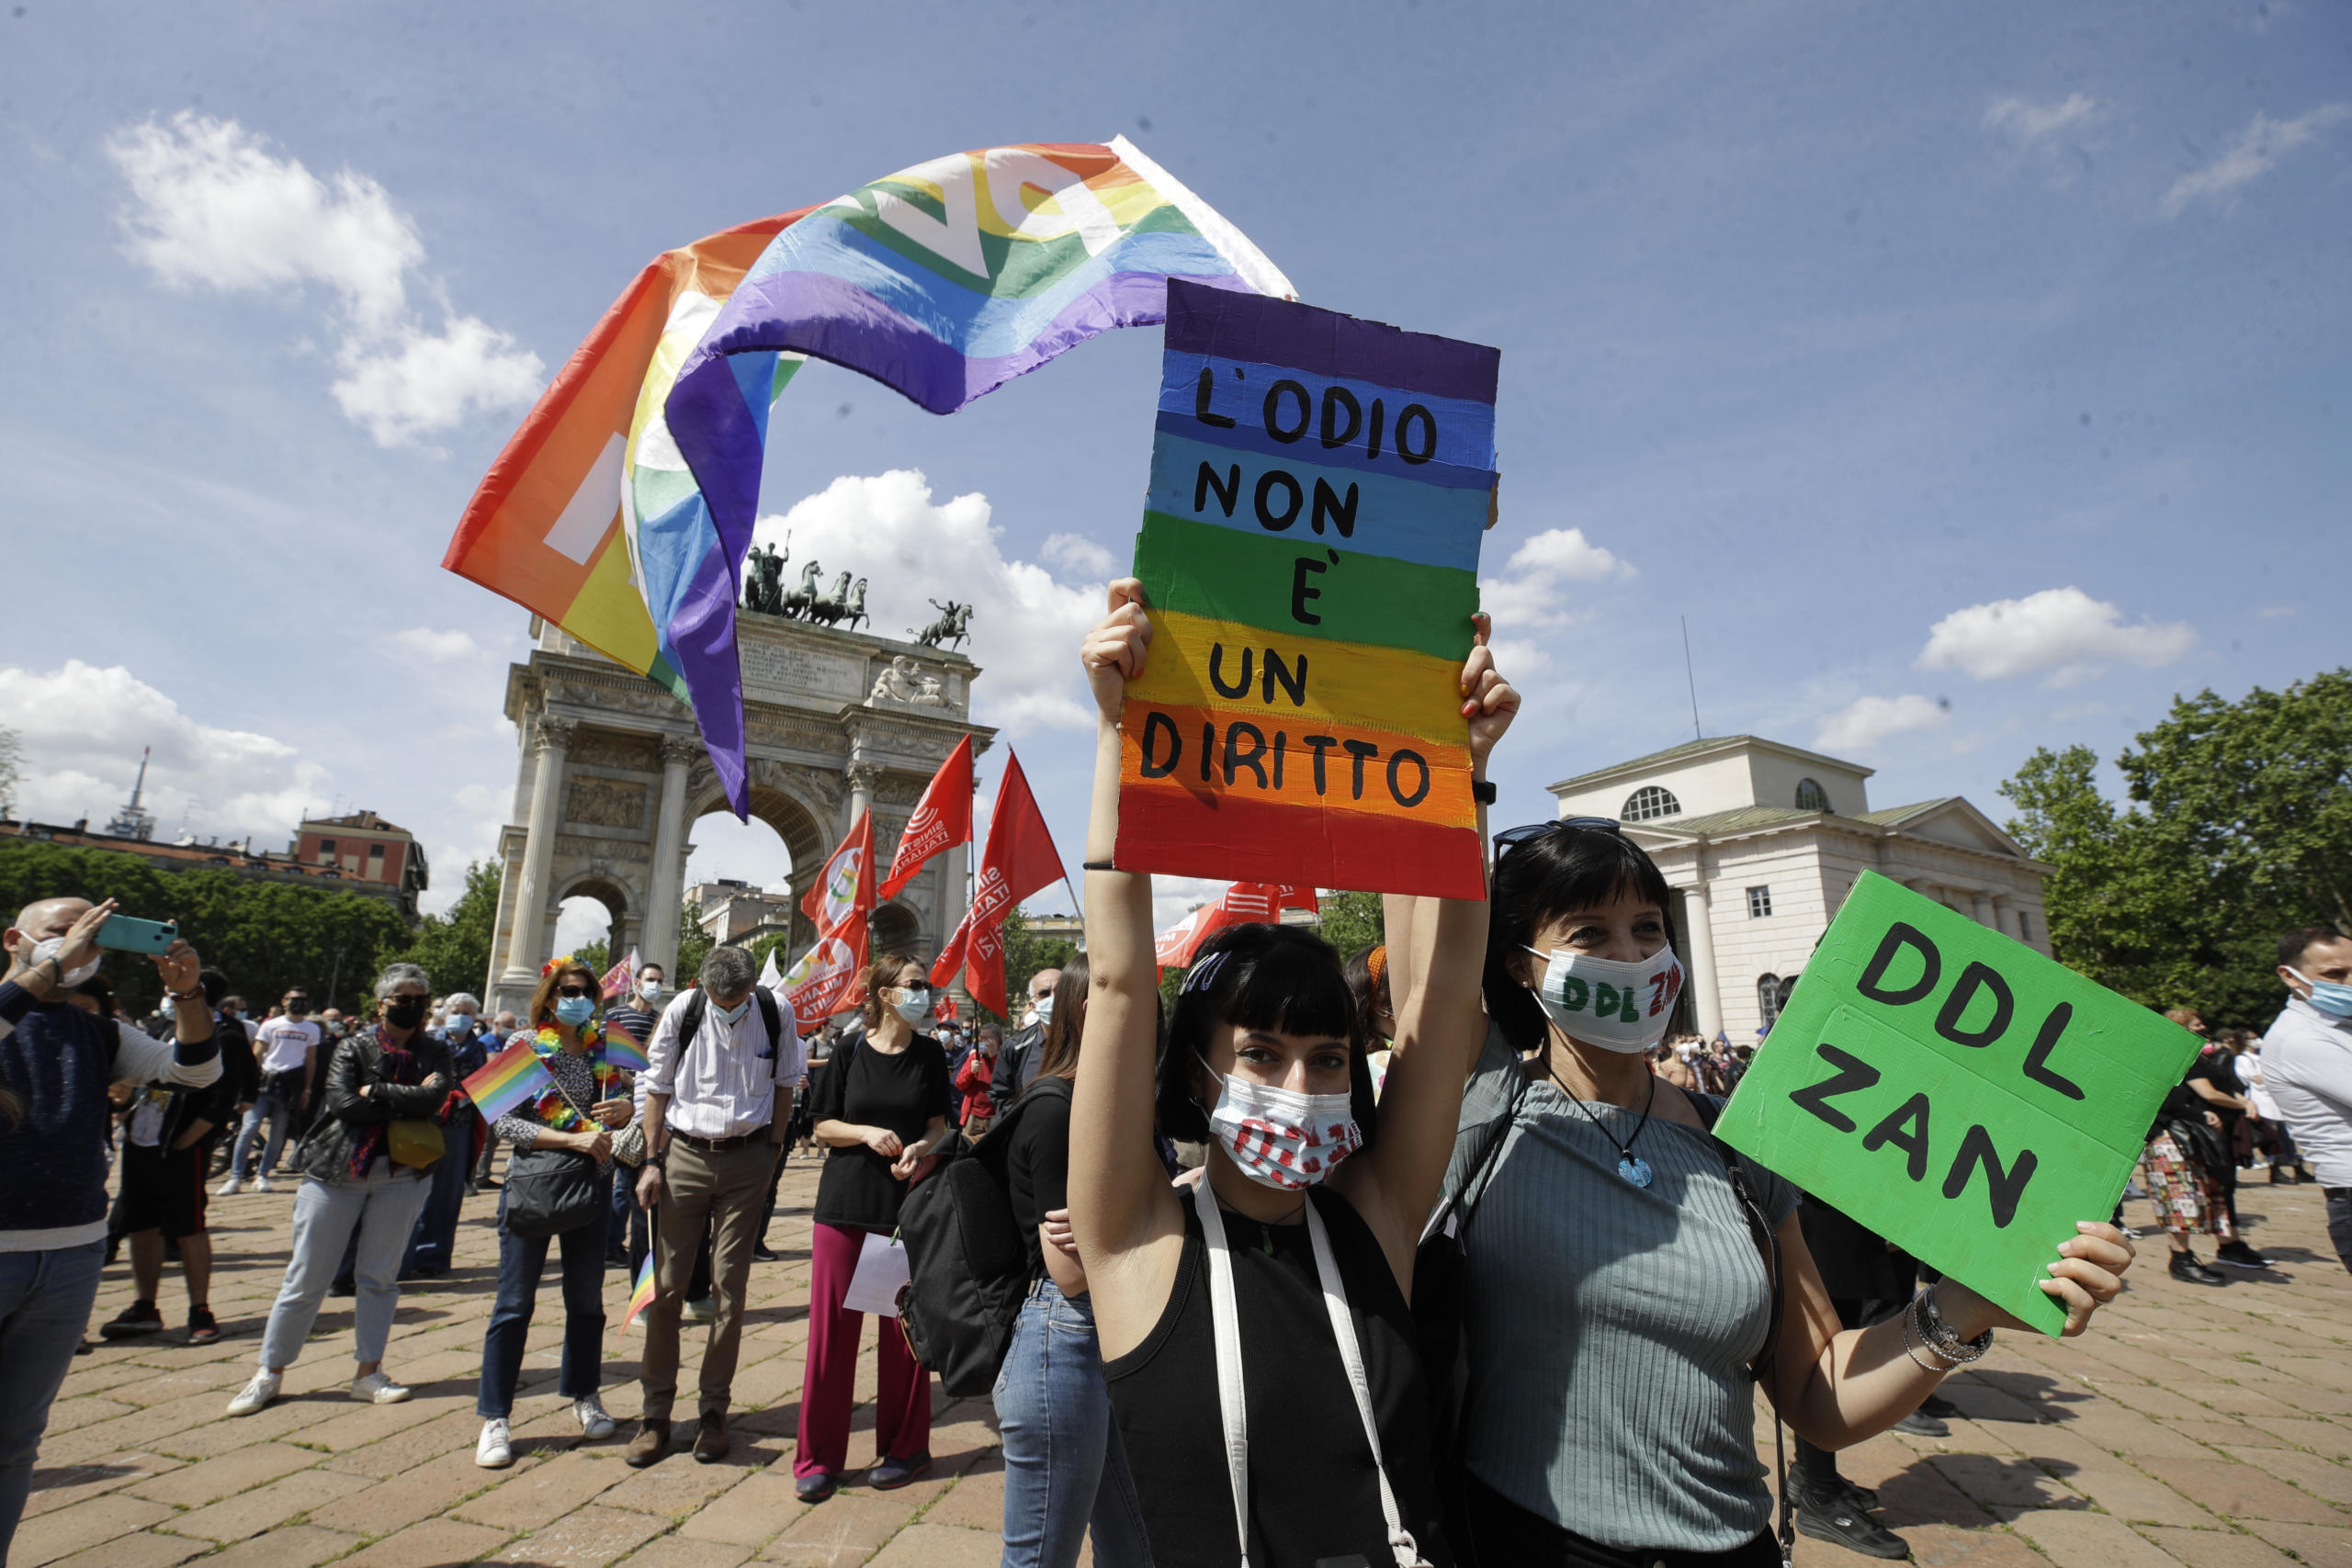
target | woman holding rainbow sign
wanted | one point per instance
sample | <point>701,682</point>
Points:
<point>585,1098</point>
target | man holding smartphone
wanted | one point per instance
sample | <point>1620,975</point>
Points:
<point>286,1046</point>
<point>56,1063</point>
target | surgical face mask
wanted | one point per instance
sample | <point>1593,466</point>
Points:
<point>735,1014</point>
<point>1281,1138</point>
<point>405,1012</point>
<point>573,1011</point>
<point>1042,1008</point>
<point>649,989</point>
<point>913,1003</point>
<point>459,1023</point>
<point>1605,1002</point>
<point>49,947</point>
<point>2330,997</point>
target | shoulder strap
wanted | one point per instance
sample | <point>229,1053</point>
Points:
<point>690,1020</point>
<point>1453,1214</point>
<point>769,1016</point>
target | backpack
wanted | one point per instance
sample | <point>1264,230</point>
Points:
<point>698,999</point>
<point>968,1261</point>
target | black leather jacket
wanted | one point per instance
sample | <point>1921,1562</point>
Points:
<point>360,1062</point>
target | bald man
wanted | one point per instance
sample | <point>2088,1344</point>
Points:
<point>56,1061</point>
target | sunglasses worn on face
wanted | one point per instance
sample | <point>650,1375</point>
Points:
<point>574,991</point>
<point>1511,838</point>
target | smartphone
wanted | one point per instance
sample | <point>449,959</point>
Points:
<point>125,934</point>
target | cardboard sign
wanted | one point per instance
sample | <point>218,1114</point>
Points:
<point>1309,551</point>
<point>1956,1091</point>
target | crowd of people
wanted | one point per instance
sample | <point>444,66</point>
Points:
<point>1402,1257</point>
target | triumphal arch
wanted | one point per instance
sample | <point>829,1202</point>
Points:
<point>612,775</point>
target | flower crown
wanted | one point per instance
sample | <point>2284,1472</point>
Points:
<point>560,960</point>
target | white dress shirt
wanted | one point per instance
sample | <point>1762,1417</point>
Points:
<point>2307,1069</point>
<point>723,1085</point>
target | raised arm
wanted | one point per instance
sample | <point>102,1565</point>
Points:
<point>1119,1196</point>
<point>1440,1020</point>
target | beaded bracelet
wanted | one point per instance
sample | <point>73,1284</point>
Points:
<point>1939,1337</point>
<point>1908,1328</point>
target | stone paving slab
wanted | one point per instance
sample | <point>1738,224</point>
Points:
<point>2195,1429</point>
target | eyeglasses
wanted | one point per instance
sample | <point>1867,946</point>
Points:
<point>574,991</point>
<point>1511,838</point>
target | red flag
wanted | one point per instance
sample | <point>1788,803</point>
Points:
<point>947,1008</point>
<point>845,887</point>
<point>1019,860</point>
<point>825,980</point>
<point>943,819</point>
<point>1240,903</point>
<point>621,979</point>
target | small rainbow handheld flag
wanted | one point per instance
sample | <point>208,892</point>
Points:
<point>511,1077</point>
<point>641,1297</point>
<point>622,1050</point>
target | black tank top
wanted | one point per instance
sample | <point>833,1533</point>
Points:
<point>1314,1492</point>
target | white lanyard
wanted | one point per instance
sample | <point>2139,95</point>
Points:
<point>1225,1323</point>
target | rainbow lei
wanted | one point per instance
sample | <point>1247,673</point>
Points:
<point>551,1108</point>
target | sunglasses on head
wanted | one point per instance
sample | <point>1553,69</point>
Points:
<point>1511,838</point>
<point>574,991</point>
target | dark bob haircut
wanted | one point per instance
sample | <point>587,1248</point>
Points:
<point>1259,976</point>
<point>1551,875</point>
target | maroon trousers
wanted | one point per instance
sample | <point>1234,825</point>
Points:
<point>902,1400</point>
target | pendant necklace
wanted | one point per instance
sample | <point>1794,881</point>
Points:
<point>1629,1166</point>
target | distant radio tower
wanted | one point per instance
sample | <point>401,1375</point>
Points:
<point>134,820</point>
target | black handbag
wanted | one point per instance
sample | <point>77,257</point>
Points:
<point>552,1191</point>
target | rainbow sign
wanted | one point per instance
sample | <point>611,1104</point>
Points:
<point>622,1050</point>
<point>1309,552</point>
<point>641,1297</point>
<point>515,1076</point>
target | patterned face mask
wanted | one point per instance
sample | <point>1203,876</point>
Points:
<point>1281,1138</point>
<point>1606,1002</point>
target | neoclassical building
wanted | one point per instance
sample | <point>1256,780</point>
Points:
<point>1762,842</point>
<point>612,776</point>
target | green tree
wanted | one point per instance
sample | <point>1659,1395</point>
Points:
<point>694,946</point>
<point>1026,953</point>
<point>455,948</point>
<point>266,936</point>
<point>2240,825</point>
<point>595,954</point>
<point>1353,922</point>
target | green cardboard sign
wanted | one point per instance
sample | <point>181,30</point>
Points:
<point>1956,1091</point>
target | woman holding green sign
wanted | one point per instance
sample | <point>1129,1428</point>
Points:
<point>1620,1261</point>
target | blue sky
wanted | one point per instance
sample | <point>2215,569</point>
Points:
<point>1972,376</point>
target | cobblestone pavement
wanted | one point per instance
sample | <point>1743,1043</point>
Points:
<point>2198,1426</point>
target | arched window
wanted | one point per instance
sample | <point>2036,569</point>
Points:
<point>1767,999</point>
<point>1649,802</point>
<point>1811,797</point>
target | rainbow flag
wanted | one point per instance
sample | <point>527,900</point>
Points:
<point>1310,553</point>
<point>641,1297</point>
<point>622,1050</point>
<point>515,1076</point>
<point>943,282</point>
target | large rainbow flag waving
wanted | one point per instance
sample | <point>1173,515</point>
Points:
<point>622,509</point>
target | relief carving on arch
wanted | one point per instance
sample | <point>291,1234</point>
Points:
<point>605,802</point>
<point>604,749</point>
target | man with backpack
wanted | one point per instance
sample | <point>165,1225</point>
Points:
<point>715,1098</point>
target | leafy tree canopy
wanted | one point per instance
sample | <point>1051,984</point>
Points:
<point>453,949</point>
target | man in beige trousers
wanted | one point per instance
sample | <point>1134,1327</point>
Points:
<point>716,1098</point>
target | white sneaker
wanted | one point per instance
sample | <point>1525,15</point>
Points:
<point>231,1188</point>
<point>496,1449</point>
<point>594,1425</point>
<point>261,1184</point>
<point>702,1308</point>
<point>256,1394</point>
<point>377,1389</point>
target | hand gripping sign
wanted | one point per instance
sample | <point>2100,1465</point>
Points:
<point>1956,1091</point>
<point>1310,555</point>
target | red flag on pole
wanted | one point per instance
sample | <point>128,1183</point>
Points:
<point>1019,860</point>
<point>1240,903</point>
<point>943,819</point>
<point>824,981</point>
<point>845,887</point>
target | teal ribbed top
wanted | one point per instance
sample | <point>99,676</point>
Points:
<point>1610,1327</point>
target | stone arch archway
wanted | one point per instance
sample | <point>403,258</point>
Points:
<point>611,775</point>
<point>894,928</point>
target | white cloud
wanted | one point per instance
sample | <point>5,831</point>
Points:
<point>439,647</point>
<point>83,728</point>
<point>2028,122</point>
<point>1534,590</point>
<point>1857,728</point>
<point>2252,153</point>
<point>1079,557</point>
<point>911,550</point>
<point>212,207</point>
<point>2062,634</point>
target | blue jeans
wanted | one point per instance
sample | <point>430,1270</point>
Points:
<point>382,1208</point>
<point>279,1113</point>
<point>435,1239</point>
<point>1063,1466</point>
<point>521,1260</point>
<point>44,1304</point>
